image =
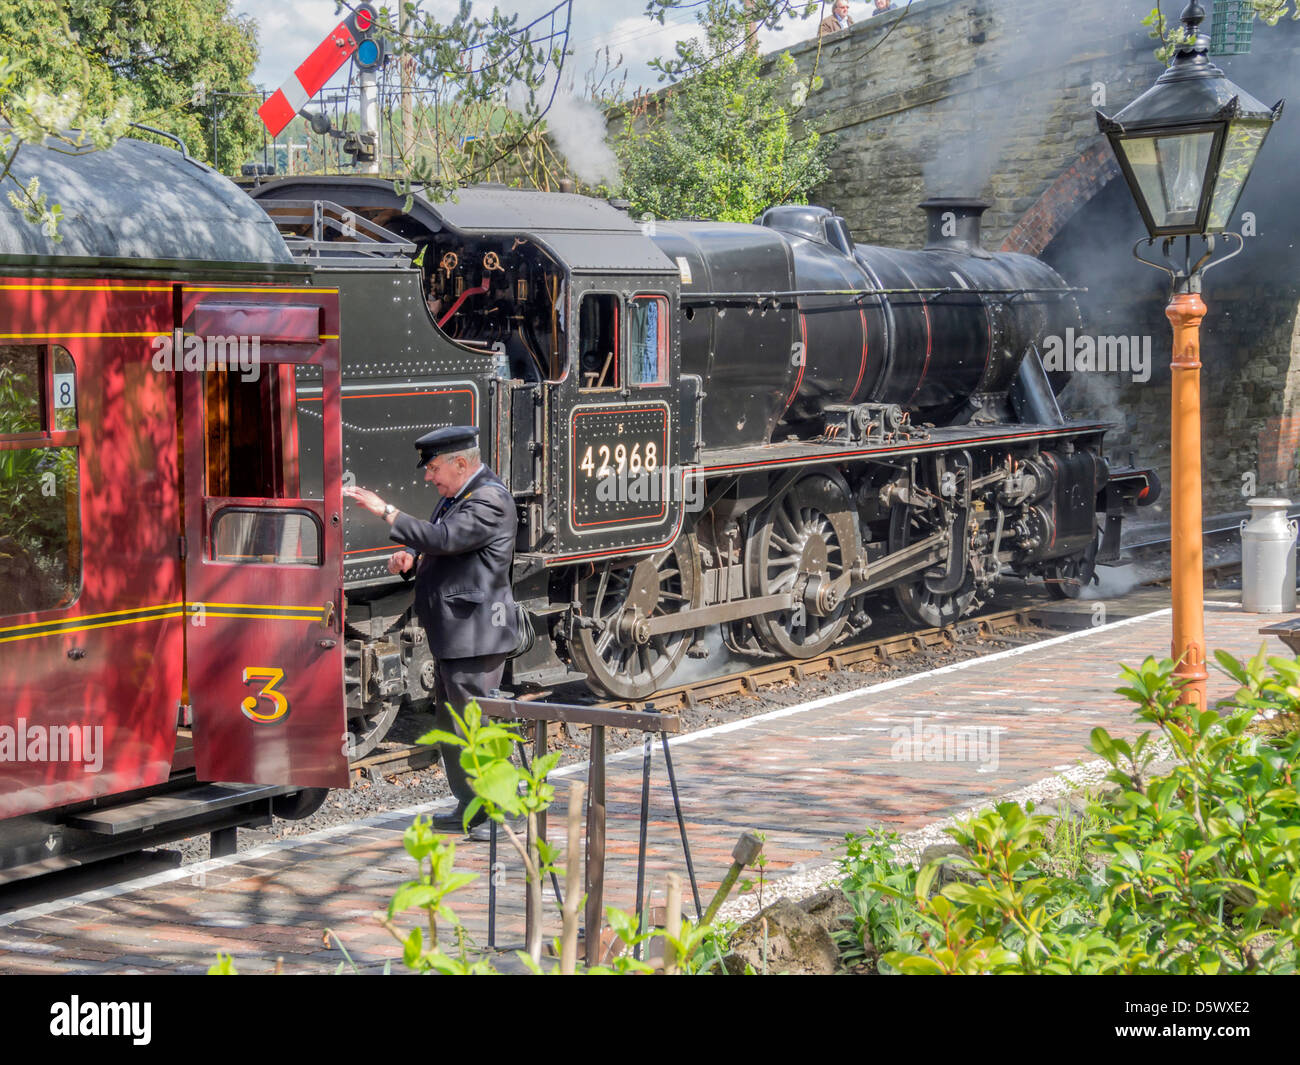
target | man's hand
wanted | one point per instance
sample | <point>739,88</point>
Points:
<point>400,562</point>
<point>365,498</point>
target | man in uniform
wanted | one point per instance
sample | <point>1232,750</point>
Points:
<point>461,564</point>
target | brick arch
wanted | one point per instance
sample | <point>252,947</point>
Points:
<point>1078,184</point>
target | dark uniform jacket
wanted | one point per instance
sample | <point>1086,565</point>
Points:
<point>462,574</point>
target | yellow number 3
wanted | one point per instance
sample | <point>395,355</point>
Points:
<point>272,677</point>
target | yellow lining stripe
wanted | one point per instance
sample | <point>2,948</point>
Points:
<point>312,291</point>
<point>87,628</point>
<point>79,336</point>
<point>265,617</point>
<point>140,615</point>
<point>256,606</point>
<point>87,288</point>
<point>92,617</point>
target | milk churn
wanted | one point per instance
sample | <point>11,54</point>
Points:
<point>1268,558</point>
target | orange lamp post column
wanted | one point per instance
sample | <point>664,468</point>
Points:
<point>1185,311</point>
<point>1186,147</point>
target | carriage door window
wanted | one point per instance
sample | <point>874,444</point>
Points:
<point>253,457</point>
<point>598,340</point>
<point>40,501</point>
<point>647,340</point>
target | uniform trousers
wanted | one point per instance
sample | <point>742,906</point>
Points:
<point>459,681</point>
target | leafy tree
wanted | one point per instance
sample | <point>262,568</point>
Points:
<point>169,58</point>
<point>35,116</point>
<point>721,144</point>
<point>481,87</point>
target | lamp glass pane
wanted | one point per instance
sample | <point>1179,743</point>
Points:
<point>1170,173</point>
<point>1240,148</point>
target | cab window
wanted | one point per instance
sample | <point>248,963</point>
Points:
<point>647,340</point>
<point>598,349</point>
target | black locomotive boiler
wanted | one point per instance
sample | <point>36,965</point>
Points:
<point>755,427</point>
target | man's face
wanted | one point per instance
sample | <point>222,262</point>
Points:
<point>842,9</point>
<point>448,476</point>
<point>881,4</point>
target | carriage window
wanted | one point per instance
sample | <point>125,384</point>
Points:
<point>268,537</point>
<point>647,340</point>
<point>40,500</point>
<point>598,340</point>
<point>252,435</point>
<point>20,388</point>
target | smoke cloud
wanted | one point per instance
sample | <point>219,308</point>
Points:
<point>981,121</point>
<point>577,127</point>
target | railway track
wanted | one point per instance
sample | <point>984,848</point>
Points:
<point>1018,625</point>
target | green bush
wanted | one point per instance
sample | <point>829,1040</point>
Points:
<point>1196,870</point>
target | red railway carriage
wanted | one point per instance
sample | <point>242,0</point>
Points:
<point>170,603</point>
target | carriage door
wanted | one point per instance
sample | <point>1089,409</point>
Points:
<point>264,572</point>
<point>621,436</point>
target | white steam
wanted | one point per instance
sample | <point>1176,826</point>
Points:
<point>577,128</point>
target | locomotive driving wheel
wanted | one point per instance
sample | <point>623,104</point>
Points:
<point>615,652</point>
<point>802,543</point>
<point>916,599</point>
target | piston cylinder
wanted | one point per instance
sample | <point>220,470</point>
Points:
<point>1268,558</point>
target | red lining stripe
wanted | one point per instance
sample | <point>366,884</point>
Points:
<point>863,368</point>
<point>803,361</point>
<point>929,339</point>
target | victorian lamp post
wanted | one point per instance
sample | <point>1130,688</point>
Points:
<point>1186,147</point>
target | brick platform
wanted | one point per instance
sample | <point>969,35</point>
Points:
<point>805,775</point>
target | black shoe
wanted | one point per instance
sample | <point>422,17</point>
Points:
<point>455,822</point>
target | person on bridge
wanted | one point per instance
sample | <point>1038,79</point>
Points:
<point>883,7</point>
<point>461,559</point>
<point>837,20</point>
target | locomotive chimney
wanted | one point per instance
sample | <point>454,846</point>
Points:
<point>953,224</point>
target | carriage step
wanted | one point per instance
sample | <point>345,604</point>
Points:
<point>170,809</point>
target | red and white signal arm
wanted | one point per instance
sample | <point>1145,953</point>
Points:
<point>317,69</point>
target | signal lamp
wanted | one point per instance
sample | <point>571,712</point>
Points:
<point>371,51</point>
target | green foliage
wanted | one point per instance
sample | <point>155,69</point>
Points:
<point>722,145</point>
<point>733,23</point>
<point>435,855</point>
<point>1270,12</point>
<point>1192,871</point>
<point>484,83</point>
<point>223,966</point>
<point>163,61</point>
<point>30,113</point>
<point>1173,37</point>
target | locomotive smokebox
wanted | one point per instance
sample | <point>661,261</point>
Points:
<point>953,224</point>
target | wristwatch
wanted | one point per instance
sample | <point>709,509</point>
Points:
<point>389,511</point>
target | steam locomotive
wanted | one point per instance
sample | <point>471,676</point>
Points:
<point>756,427</point>
<point>750,427</point>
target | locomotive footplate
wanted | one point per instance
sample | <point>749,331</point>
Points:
<point>800,453</point>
